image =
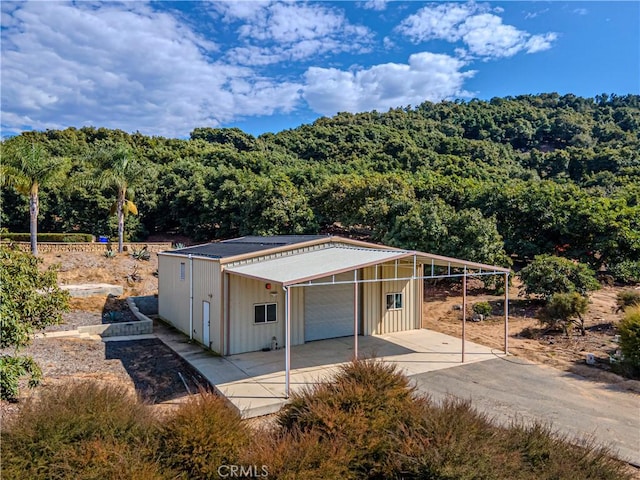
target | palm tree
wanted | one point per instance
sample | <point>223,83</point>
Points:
<point>121,170</point>
<point>27,165</point>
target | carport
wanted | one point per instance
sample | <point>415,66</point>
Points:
<point>337,268</point>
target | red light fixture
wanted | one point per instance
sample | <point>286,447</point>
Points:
<point>268,286</point>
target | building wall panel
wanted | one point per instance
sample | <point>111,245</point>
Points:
<point>207,287</point>
<point>173,291</point>
<point>245,334</point>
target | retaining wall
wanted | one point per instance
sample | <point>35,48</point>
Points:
<point>55,247</point>
<point>143,326</point>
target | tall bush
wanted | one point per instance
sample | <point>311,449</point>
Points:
<point>204,434</point>
<point>80,431</point>
<point>548,274</point>
<point>30,299</point>
<point>629,328</point>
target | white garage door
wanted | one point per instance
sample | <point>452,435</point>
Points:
<point>328,312</point>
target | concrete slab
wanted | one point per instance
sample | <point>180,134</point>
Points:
<point>93,289</point>
<point>254,383</point>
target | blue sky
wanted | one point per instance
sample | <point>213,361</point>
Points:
<point>165,68</point>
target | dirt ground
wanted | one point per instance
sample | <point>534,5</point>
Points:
<point>136,277</point>
<point>527,338</point>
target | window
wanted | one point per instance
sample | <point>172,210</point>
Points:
<point>182,270</point>
<point>394,301</point>
<point>265,313</point>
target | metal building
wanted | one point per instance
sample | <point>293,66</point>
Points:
<point>254,293</point>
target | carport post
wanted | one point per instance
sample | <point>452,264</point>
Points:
<point>355,314</point>
<point>287,341</point>
<point>506,314</point>
<point>464,309</point>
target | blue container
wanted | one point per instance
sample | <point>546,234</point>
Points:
<point>103,239</point>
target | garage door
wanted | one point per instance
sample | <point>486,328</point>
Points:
<point>328,312</point>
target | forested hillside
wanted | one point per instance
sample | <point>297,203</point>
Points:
<point>484,180</point>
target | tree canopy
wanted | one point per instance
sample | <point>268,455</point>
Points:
<point>512,177</point>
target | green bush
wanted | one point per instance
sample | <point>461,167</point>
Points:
<point>80,431</point>
<point>50,237</point>
<point>482,308</point>
<point>627,298</point>
<point>202,435</point>
<point>565,309</point>
<point>12,369</point>
<point>629,328</point>
<point>627,271</point>
<point>547,275</point>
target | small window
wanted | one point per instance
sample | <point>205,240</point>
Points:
<point>182,270</point>
<point>394,301</point>
<point>265,313</point>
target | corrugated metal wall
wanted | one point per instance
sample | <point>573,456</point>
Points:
<point>371,305</point>
<point>207,288</point>
<point>245,334</point>
<point>377,319</point>
<point>173,292</point>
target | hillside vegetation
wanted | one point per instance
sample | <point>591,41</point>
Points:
<point>484,180</point>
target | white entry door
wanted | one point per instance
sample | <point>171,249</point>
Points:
<point>206,324</point>
<point>328,312</point>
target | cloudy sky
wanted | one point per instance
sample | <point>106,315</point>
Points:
<point>164,68</point>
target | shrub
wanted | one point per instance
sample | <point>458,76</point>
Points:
<point>547,275</point>
<point>482,308</point>
<point>627,298</point>
<point>141,253</point>
<point>110,254</point>
<point>12,369</point>
<point>627,271</point>
<point>49,237</point>
<point>366,407</point>
<point>565,309</point>
<point>82,430</point>
<point>202,435</point>
<point>30,300</point>
<point>294,454</point>
<point>629,328</point>
<point>458,442</point>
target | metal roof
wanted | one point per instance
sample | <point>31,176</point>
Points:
<point>308,266</point>
<point>243,245</point>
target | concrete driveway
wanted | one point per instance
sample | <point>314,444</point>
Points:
<point>509,389</point>
<point>254,382</point>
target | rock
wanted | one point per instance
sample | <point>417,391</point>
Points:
<point>477,317</point>
<point>457,306</point>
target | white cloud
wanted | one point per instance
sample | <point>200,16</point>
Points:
<point>377,5</point>
<point>581,11</point>
<point>530,15</point>
<point>122,66</point>
<point>279,32</point>
<point>482,32</point>
<point>427,76</point>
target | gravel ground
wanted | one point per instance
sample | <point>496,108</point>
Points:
<point>148,366</point>
<point>115,310</point>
